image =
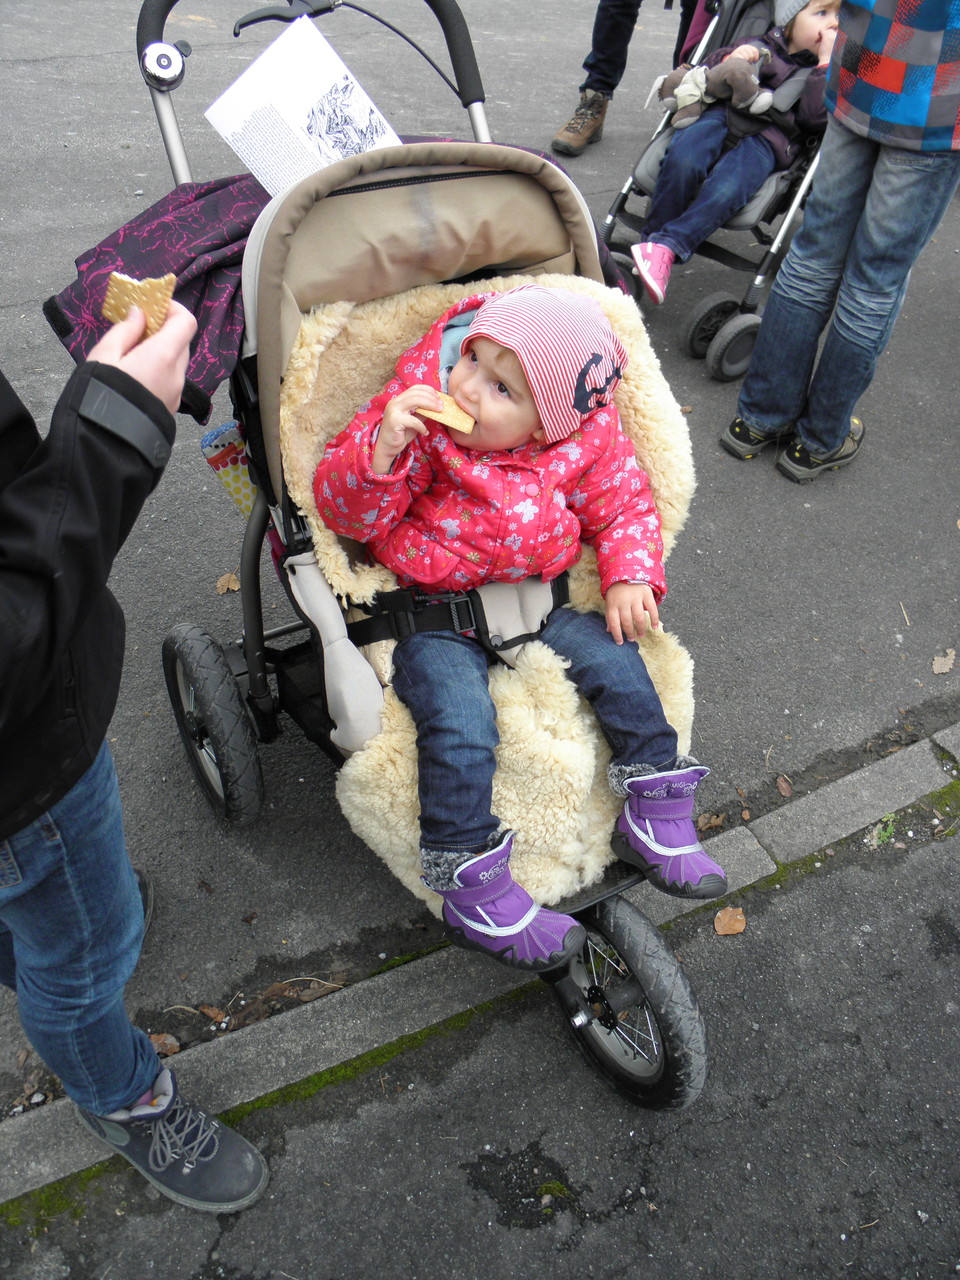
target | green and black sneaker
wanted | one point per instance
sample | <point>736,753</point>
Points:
<point>744,443</point>
<point>798,463</point>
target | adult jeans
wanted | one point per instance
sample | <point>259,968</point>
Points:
<point>700,187</point>
<point>613,25</point>
<point>71,925</point>
<point>870,213</point>
<point>442,678</point>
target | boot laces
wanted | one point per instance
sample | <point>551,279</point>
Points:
<point>185,1131</point>
<point>585,114</point>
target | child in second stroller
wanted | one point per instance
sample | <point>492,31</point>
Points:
<point>715,165</point>
<point>545,465</point>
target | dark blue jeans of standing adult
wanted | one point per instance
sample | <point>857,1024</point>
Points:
<point>700,187</point>
<point>442,678</point>
<point>613,25</point>
<point>71,925</point>
<point>870,213</point>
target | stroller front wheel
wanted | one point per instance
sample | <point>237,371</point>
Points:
<point>728,356</point>
<point>631,1010</point>
<point>213,722</point>
<point>705,321</point>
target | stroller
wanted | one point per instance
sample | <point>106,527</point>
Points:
<point>340,272</point>
<point>722,329</point>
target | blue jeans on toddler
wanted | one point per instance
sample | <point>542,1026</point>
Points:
<point>700,187</point>
<point>870,213</point>
<point>71,925</point>
<point>442,678</point>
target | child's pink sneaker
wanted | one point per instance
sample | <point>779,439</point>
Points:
<point>653,264</point>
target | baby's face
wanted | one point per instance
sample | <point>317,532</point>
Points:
<point>813,25</point>
<point>489,383</point>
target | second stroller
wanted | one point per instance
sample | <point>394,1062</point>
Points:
<point>753,110</point>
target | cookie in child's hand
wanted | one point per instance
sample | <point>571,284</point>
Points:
<point>152,296</point>
<point>451,415</point>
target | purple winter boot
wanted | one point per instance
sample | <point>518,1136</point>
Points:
<point>488,911</point>
<point>655,832</point>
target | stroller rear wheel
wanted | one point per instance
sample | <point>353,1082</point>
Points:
<point>632,1011</point>
<point>705,320</point>
<point>213,722</point>
<point>728,356</point>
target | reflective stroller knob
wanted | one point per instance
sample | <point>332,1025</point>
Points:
<point>162,65</point>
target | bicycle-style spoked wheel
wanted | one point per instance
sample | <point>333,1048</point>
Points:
<point>632,1011</point>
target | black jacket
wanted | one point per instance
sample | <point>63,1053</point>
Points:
<point>67,504</point>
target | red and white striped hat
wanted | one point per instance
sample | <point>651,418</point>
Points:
<point>571,357</point>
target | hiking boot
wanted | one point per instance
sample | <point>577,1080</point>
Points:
<point>488,911</point>
<point>584,126</point>
<point>653,262</point>
<point>798,463</point>
<point>655,832</point>
<point>190,1158</point>
<point>744,443</point>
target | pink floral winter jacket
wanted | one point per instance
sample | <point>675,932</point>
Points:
<point>449,519</point>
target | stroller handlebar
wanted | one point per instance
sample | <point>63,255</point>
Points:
<point>469,87</point>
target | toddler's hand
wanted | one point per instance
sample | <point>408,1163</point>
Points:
<point>628,606</point>
<point>158,363</point>
<point>827,41</point>
<point>400,424</point>
<point>749,53</point>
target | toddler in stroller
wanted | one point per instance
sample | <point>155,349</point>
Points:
<point>448,511</point>
<point>714,166</point>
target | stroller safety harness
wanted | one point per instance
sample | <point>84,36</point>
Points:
<point>503,616</point>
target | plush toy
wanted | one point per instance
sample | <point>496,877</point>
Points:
<point>687,91</point>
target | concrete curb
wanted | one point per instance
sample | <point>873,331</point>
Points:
<point>48,1144</point>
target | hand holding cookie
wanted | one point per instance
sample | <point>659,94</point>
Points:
<point>159,362</point>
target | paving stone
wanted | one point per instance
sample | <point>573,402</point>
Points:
<point>842,807</point>
<point>743,859</point>
<point>949,740</point>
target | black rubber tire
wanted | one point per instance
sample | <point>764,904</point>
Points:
<point>728,356</point>
<point>657,1055</point>
<point>705,321</point>
<point>629,273</point>
<point>216,730</point>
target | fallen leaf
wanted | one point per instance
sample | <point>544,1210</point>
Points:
<point>250,918</point>
<point>741,793</point>
<point>165,1045</point>
<point>212,1012</point>
<point>745,815</point>
<point>228,582</point>
<point>943,663</point>
<point>22,1057</point>
<point>709,821</point>
<point>784,786</point>
<point>315,990</point>
<point>279,991</point>
<point>730,920</point>
<point>686,408</point>
<point>207,888</point>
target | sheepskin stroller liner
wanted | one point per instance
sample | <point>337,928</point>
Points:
<point>341,273</point>
<point>722,328</point>
<point>320,355</point>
